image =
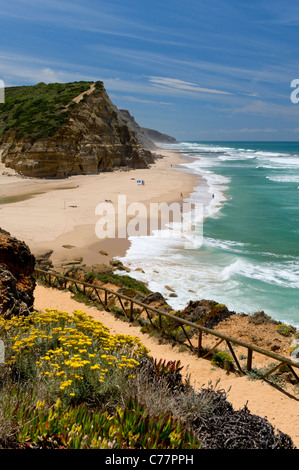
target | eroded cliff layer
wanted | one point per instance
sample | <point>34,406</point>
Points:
<point>17,282</point>
<point>94,137</point>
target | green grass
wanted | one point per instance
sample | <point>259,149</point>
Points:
<point>37,112</point>
<point>121,281</point>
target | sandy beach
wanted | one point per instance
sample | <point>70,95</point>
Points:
<point>60,214</point>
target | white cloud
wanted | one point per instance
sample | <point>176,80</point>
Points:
<point>177,84</point>
<point>139,100</point>
<point>267,109</point>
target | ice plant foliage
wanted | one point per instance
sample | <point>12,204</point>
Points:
<point>131,427</point>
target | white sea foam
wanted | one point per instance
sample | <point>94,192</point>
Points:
<point>284,178</point>
<point>235,156</point>
<point>279,162</point>
<point>216,185</point>
<point>280,274</point>
<point>226,245</point>
<point>204,148</point>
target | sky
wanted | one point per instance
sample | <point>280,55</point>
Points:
<point>214,70</point>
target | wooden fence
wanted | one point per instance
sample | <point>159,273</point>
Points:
<point>50,277</point>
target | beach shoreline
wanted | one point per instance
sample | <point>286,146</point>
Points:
<point>59,215</point>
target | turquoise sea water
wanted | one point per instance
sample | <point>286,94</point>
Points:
<point>249,258</point>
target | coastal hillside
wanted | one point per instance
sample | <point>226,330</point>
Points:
<point>159,137</point>
<point>58,130</point>
<point>148,137</point>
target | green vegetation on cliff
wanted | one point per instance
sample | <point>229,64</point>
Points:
<point>37,112</point>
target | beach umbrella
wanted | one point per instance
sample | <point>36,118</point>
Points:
<point>138,181</point>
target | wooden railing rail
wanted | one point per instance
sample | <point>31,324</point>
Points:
<point>129,313</point>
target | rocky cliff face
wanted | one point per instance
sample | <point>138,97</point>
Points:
<point>95,138</point>
<point>16,276</point>
<point>148,137</point>
<point>138,131</point>
<point>157,137</point>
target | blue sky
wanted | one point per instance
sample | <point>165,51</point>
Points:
<point>197,70</point>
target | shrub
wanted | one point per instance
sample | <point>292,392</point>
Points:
<point>284,330</point>
<point>259,318</point>
<point>118,280</point>
<point>36,112</point>
<point>223,360</point>
<point>73,355</point>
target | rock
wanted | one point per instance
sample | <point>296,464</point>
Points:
<point>118,265</point>
<point>274,347</point>
<point>169,288</point>
<point>173,294</point>
<point>138,131</point>
<point>103,253</point>
<point>154,297</point>
<point>76,272</point>
<point>17,283</point>
<point>139,269</point>
<point>157,137</point>
<point>42,260</point>
<point>95,138</point>
<point>74,261</point>
<point>101,268</point>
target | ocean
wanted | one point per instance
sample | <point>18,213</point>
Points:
<point>248,257</point>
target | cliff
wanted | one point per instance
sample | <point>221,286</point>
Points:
<point>159,138</point>
<point>138,131</point>
<point>148,137</point>
<point>87,135</point>
<point>17,283</point>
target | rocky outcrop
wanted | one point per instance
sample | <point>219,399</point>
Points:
<point>149,138</point>
<point>16,276</point>
<point>157,137</point>
<point>42,259</point>
<point>95,138</point>
<point>206,312</point>
<point>138,131</point>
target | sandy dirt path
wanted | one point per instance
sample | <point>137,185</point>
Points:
<point>280,407</point>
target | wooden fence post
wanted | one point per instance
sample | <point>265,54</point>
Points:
<point>249,359</point>
<point>199,342</point>
<point>131,311</point>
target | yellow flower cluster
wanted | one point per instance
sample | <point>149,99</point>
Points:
<point>68,348</point>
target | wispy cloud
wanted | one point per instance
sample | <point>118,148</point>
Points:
<point>267,109</point>
<point>102,18</point>
<point>176,84</point>
<point>134,99</point>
